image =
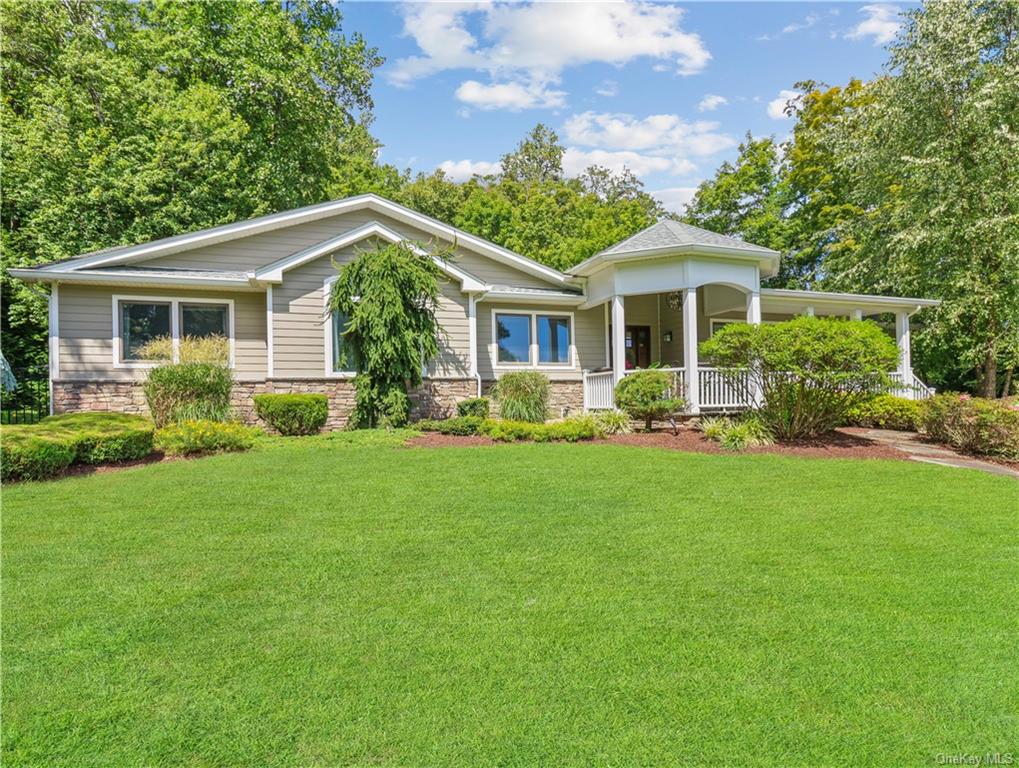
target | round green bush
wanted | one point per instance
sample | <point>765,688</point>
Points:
<point>885,412</point>
<point>647,395</point>
<point>293,414</point>
<point>475,406</point>
<point>523,396</point>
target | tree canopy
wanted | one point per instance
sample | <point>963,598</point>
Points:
<point>903,185</point>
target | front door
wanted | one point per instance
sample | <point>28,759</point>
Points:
<point>638,346</point>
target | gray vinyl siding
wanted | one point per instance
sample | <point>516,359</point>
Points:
<point>256,251</point>
<point>589,339</point>
<point>299,327</point>
<point>86,323</point>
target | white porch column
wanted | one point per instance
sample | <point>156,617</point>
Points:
<point>810,311</point>
<point>857,314</point>
<point>754,318</point>
<point>754,307</point>
<point>902,337</point>
<point>472,332</point>
<point>693,395</point>
<point>618,339</point>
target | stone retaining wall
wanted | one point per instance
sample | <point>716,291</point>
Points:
<point>566,398</point>
<point>434,399</point>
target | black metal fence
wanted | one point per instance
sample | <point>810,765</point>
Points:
<point>30,399</point>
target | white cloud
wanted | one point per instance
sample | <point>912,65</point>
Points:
<point>575,161</point>
<point>511,96</point>
<point>533,43</point>
<point>665,133</point>
<point>777,106</point>
<point>607,88</point>
<point>462,170</point>
<point>881,24</point>
<point>675,198</point>
<point>711,102</point>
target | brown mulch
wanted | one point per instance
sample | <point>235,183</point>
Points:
<point>435,440</point>
<point>841,444</point>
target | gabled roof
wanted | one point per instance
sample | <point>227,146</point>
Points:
<point>132,254</point>
<point>669,237</point>
<point>273,273</point>
<point>674,234</point>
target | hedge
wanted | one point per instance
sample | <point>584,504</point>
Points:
<point>972,424</point>
<point>300,414</point>
<point>37,451</point>
<point>885,412</point>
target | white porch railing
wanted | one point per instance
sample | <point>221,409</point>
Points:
<point>599,391</point>
<point>722,390</point>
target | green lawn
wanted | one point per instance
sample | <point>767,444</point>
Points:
<point>337,601</point>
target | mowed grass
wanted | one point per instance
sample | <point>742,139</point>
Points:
<point>348,601</point>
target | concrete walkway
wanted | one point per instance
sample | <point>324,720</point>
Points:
<point>910,443</point>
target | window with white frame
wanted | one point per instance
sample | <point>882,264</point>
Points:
<point>139,320</point>
<point>532,338</point>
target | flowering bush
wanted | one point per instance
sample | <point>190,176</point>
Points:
<point>972,424</point>
<point>203,436</point>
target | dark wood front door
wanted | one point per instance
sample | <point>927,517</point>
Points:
<point>638,346</point>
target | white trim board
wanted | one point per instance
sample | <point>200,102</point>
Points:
<point>174,302</point>
<point>327,333</point>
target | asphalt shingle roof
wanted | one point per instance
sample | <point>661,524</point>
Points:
<point>670,233</point>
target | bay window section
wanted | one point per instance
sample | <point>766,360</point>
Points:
<point>513,337</point>
<point>553,339</point>
<point>141,323</point>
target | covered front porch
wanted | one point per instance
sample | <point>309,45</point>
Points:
<point>663,330</point>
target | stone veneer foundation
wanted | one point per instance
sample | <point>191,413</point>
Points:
<point>434,399</point>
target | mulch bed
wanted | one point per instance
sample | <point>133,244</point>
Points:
<point>840,444</point>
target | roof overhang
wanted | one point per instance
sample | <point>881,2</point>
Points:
<point>206,237</point>
<point>139,279</point>
<point>506,295</point>
<point>788,299</point>
<point>767,260</point>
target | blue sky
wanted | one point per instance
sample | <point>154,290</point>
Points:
<point>667,90</point>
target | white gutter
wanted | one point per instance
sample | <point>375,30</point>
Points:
<point>113,278</point>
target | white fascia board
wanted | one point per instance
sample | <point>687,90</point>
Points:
<point>311,213</point>
<point>113,278</point>
<point>821,299</point>
<point>600,260</point>
<point>514,297</point>
<point>273,273</point>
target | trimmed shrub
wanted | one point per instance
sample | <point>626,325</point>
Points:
<point>428,425</point>
<point>475,406</point>
<point>28,456</point>
<point>188,392</point>
<point>972,424</point>
<point>571,430</point>
<point>647,395</point>
<point>612,422</point>
<point>810,371</point>
<point>885,412</point>
<point>523,396</point>
<point>44,449</point>
<point>188,438</point>
<point>461,425</point>
<point>293,414</point>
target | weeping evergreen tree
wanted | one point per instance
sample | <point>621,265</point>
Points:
<point>389,295</point>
